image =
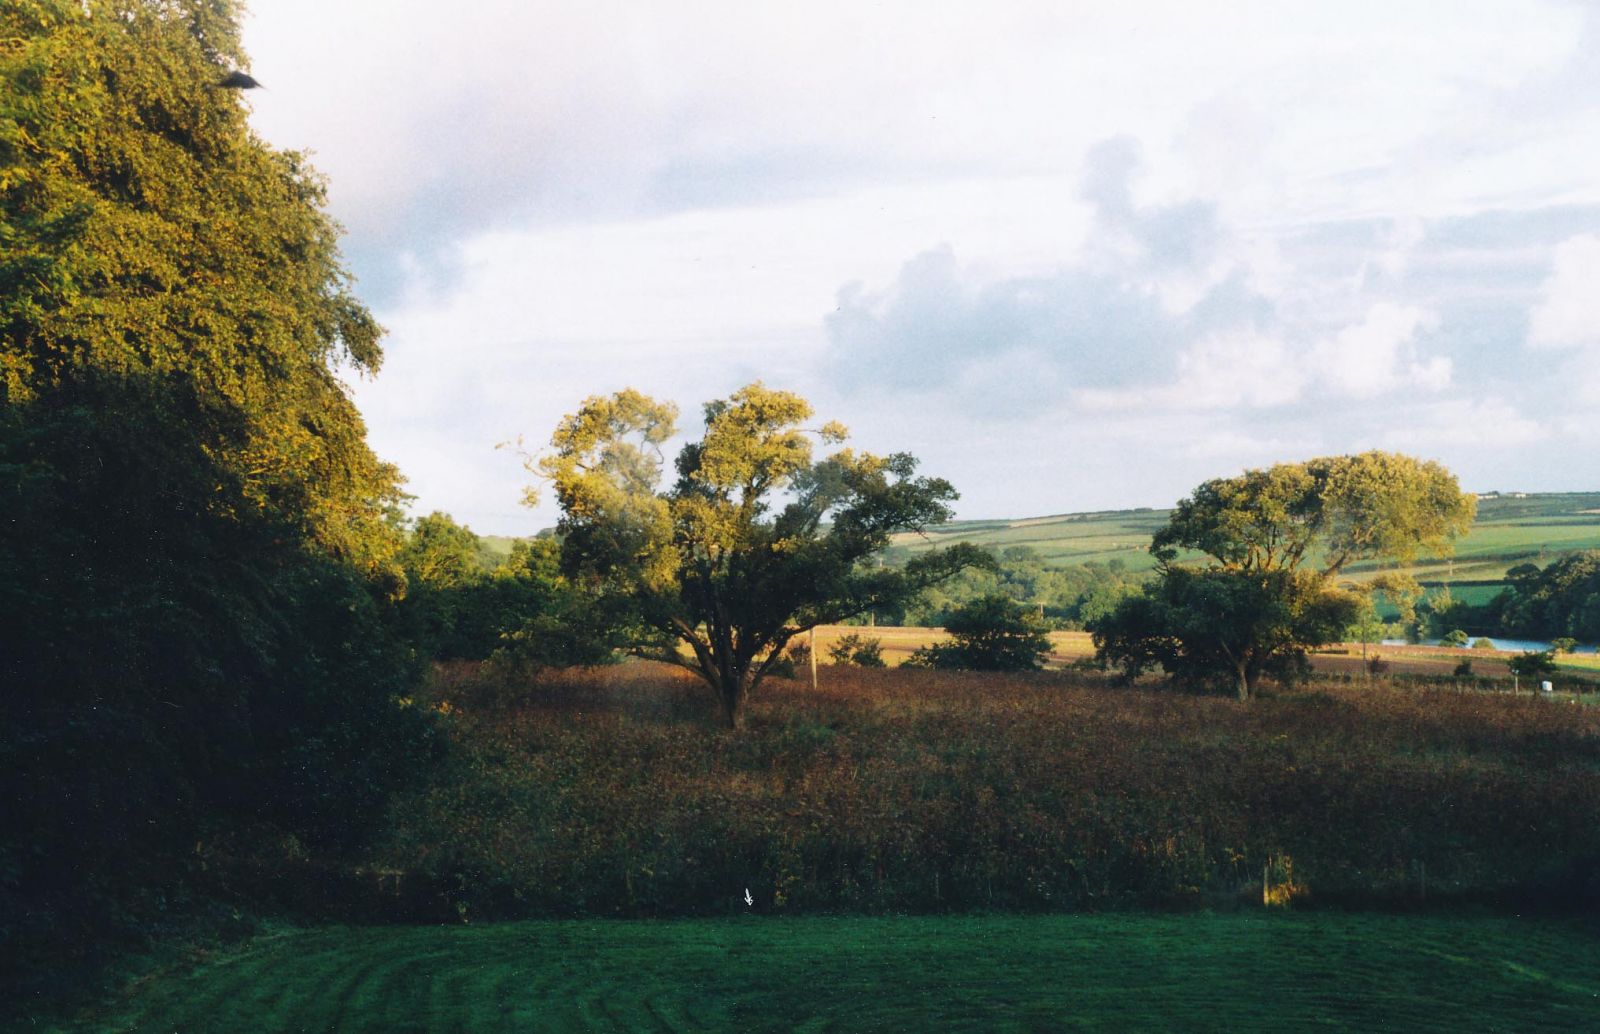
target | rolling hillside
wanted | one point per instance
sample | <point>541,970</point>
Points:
<point>1510,530</point>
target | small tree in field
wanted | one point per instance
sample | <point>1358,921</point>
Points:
<point>992,633</point>
<point>754,543</point>
<point>1532,663</point>
<point>858,650</point>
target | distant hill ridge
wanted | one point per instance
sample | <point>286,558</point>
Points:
<point>1512,528</point>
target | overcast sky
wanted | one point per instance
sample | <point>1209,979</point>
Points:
<point>1073,256</point>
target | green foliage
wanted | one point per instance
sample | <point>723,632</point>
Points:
<point>1455,637</point>
<point>1221,627</point>
<point>197,637</point>
<point>1563,644</point>
<point>856,649</point>
<point>1532,662</point>
<point>522,612</point>
<point>1483,644</point>
<point>715,563</point>
<point>1069,596</point>
<point>1275,540</point>
<point>1463,670</point>
<point>988,634</point>
<point>1560,600</point>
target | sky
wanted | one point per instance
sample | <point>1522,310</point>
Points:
<point>1073,256</point>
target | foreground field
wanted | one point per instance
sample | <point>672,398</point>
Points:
<point>614,793</point>
<point>1236,972</point>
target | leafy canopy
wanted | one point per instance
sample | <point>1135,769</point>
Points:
<point>194,626</point>
<point>755,541</point>
<point>992,633</point>
<point>1325,513</point>
<point>1271,544</point>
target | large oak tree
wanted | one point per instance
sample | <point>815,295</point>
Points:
<point>755,541</point>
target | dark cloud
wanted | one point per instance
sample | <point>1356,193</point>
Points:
<point>1082,326</point>
<point>931,326</point>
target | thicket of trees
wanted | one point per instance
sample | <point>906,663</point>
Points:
<point>197,637</point>
<point>464,603</point>
<point>1558,601</point>
<point>1066,597</point>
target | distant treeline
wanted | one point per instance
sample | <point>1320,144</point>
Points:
<point>1066,596</point>
<point>1559,600</point>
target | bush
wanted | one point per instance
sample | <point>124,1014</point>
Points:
<point>1377,666</point>
<point>1533,662</point>
<point>989,634</point>
<point>1482,644</point>
<point>1565,644</point>
<point>1463,670</point>
<point>858,650</point>
<point>1457,638</point>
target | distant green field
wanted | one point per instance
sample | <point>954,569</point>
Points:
<point>1241,971</point>
<point>1508,532</point>
<point>1064,539</point>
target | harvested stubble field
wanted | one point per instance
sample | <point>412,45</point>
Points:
<point>899,642</point>
<point>613,792</point>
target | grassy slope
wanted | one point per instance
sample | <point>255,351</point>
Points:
<point>1234,971</point>
<point>1508,532</point>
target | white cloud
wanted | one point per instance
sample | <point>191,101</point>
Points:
<point>1232,370</point>
<point>1378,355</point>
<point>1568,312</point>
<point>1459,425</point>
<point>557,199</point>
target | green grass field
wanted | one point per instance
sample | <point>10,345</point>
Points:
<point>1507,532</point>
<point>1235,971</point>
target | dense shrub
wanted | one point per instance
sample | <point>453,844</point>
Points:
<point>862,651</point>
<point>1530,663</point>
<point>989,634</point>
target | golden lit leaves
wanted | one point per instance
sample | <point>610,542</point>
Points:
<point>1375,505</point>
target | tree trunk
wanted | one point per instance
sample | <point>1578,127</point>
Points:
<point>1246,682</point>
<point>733,694</point>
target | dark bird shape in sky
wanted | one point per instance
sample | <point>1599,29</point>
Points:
<point>239,81</point>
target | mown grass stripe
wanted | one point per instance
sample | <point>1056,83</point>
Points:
<point>1242,971</point>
